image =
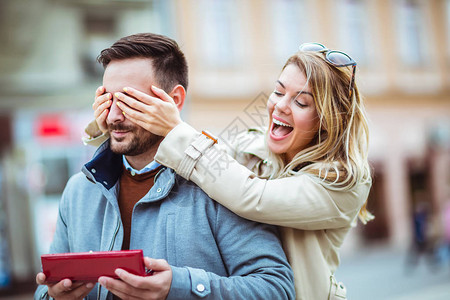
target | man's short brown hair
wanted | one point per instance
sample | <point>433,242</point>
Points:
<point>169,64</point>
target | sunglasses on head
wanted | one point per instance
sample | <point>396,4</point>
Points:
<point>334,57</point>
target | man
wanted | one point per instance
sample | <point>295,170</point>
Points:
<point>124,200</point>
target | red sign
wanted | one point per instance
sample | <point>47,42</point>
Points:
<point>52,126</point>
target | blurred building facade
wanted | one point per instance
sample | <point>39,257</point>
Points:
<point>235,50</point>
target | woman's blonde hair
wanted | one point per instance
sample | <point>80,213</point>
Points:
<point>338,153</point>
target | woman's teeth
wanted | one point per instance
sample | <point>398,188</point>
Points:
<point>276,122</point>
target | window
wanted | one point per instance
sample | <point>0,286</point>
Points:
<point>219,32</point>
<point>289,26</point>
<point>99,30</point>
<point>410,32</point>
<point>353,30</point>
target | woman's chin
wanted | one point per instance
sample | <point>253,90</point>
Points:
<point>274,148</point>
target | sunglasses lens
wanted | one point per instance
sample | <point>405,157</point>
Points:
<point>312,47</point>
<point>339,58</point>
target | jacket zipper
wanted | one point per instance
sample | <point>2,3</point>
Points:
<point>115,234</point>
<point>110,248</point>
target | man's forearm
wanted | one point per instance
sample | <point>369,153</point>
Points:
<point>191,283</point>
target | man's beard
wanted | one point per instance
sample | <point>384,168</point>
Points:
<point>141,140</point>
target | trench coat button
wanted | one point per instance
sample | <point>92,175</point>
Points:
<point>93,170</point>
<point>200,287</point>
<point>105,183</point>
<point>158,190</point>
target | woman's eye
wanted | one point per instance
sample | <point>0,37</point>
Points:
<point>300,104</point>
<point>279,94</point>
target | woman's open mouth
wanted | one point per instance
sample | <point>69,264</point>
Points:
<point>280,130</point>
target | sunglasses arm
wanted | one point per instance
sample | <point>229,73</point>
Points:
<point>352,82</point>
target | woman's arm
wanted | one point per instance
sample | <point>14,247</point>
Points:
<point>300,202</point>
<point>94,136</point>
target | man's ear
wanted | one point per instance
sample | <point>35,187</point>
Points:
<point>178,95</point>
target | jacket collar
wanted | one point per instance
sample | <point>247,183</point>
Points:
<point>257,146</point>
<point>164,182</point>
<point>106,167</point>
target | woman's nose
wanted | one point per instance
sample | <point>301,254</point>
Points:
<point>283,104</point>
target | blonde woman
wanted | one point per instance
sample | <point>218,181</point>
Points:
<point>308,172</point>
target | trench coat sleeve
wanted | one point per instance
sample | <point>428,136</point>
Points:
<point>300,202</point>
<point>94,136</point>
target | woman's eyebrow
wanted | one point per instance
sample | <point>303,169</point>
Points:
<point>304,92</point>
<point>298,92</point>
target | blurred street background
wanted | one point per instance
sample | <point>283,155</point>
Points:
<point>235,50</point>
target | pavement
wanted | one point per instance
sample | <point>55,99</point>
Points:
<point>384,274</point>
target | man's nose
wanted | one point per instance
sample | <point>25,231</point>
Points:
<point>115,113</point>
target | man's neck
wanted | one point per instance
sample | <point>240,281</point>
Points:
<point>138,162</point>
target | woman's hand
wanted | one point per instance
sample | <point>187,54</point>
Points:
<point>101,104</point>
<point>156,115</point>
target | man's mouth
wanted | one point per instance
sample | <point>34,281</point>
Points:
<point>280,129</point>
<point>118,136</point>
<point>118,131</point>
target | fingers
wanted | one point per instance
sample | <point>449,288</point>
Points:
<point>137,112</point>
<point>102,115</point>
<point>40,278</point>
<point>148,99</point>
<point>60,288</point>
<point>138,282</point>
<point>79,290</point>
<point>102,108</point>
<point>83,290</point>
<point>135,116</point>
<point>100,90</point>
<point>156,265</point>
<point>67,289</point>
<point>101,99</point>
<point>118,287</point>
<point>138,105</point>
<point>130,286</point>
<point>162,94</point>
<point>102,102</point>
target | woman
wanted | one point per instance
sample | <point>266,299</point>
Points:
<point>307,173</point>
